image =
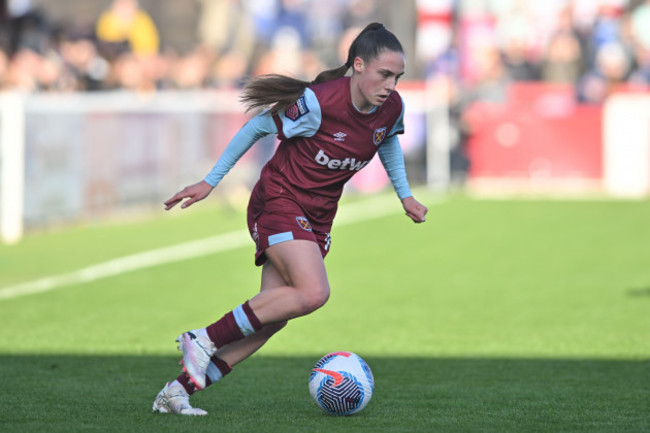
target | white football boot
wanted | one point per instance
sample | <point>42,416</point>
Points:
<point>174,399</point>
<point>197,350</point>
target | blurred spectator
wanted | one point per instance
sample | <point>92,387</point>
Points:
<point>287,56</point>
<point>641,24</point>
<point>605,30</point>
<point>27,28</point>
<point>49,73</point>
<point>126,73</point>
<point>4,65</point>
<point>192,70</point>
<point>515,35</point>
<point>609,72</point>
<point>225,26</point>
<point>142,74</point>
<point>492,76</point>
<point>517,63</point>
<point>491,86</point>
<point>22,71</point>
<point>360,12</point>
<point>326,27</point>
<point>563,60</point>
<point>264,14</point>
<point>434,32</point>
<point>229,70</point>
<point>124,26</point>
<point>293,14</point>
<point>480,46</point>
<point>640,75</point>
<point>344,44</point>
<point>88,69</point>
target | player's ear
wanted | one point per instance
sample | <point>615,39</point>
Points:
<point>358,64</point>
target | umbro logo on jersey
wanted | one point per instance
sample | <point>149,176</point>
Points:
<point>340,136</point>
<point>336,164</point>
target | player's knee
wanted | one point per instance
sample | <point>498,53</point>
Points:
<point>315,298</point>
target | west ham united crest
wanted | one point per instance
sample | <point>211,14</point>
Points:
<point>303,223</point>
<point>379,135</point>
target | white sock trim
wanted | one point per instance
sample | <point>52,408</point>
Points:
<point>213,373</point>
<point>242,321</point>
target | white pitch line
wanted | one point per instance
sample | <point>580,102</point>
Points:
<point>120,265</point>
<point>348,214</point>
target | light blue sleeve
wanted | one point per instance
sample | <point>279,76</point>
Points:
<point>256,128</point>
<point>398,127</point>
<point>390,154</point>
<point>303,118</point>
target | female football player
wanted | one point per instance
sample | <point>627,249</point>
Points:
<point>329,130</point>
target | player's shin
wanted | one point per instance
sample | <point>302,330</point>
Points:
<point>237,324</point>
<point>199,345</point>
<point>217,369</point>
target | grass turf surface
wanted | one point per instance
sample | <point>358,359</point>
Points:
<point>494,316</point>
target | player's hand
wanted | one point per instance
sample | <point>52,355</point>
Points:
<point>414,209</point>
<point>194,193</point>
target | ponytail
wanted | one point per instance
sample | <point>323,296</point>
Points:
<point>278,92</point>
<point>275,91</point>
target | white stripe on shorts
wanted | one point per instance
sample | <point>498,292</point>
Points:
<point>280,237</point>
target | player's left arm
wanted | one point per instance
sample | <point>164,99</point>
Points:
<point>414,209</point>
<point>390,154</point>
<point>256,128</point>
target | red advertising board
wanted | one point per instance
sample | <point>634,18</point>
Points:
<point>539,132</point>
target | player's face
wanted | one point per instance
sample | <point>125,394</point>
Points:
<point>373,81</point>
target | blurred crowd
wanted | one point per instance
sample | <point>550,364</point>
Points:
<point>122,48</point>
<point>480,45</point>
<point>596,46</point>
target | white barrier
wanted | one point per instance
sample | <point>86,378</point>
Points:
<point>75,157</point>
<point>87,156</point>
<point>12,166</point>
<point>626,147</point>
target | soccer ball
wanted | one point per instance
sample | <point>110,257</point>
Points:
<point>341,383</point>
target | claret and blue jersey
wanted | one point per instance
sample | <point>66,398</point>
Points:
<point>324,141</point>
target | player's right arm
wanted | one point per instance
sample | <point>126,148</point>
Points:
<point>256,128</point>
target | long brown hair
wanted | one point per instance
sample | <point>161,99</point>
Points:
<point>280,91</point>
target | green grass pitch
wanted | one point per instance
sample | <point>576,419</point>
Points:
<point>493,316</point>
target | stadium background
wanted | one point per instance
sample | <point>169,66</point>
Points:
<point>502,96</point>
<point>520,306</point>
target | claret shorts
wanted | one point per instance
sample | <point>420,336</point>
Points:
<point>283,220</point>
